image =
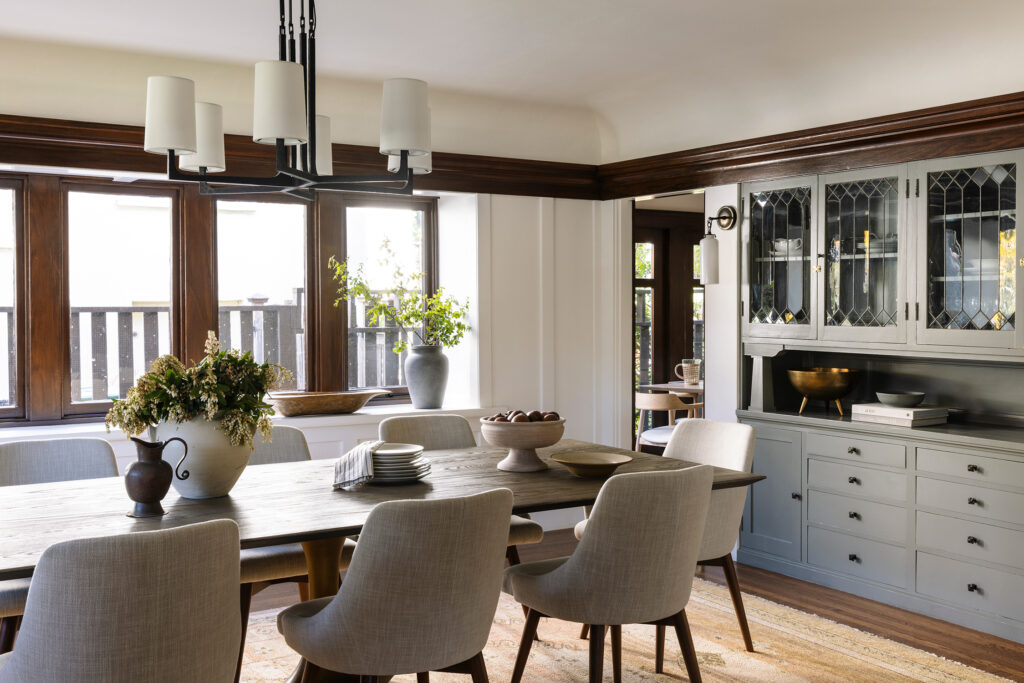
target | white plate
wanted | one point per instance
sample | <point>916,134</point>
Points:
<point>385,482</point>
<point>399,471</point>
<point>395,449</point>
<point>403,476</point>
<point>399,461</point>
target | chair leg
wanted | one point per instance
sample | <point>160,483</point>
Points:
<point>659,649</point>
<point>737,599</point>
<point>423,677</point>
<point>617,653</point>
<point>512,555</point>
<point>478,668</point>
<point>596,653</point>
<point>245,602</point>
<point>584,631</point>
<point>686,645</point>
<point>8,629</point>
<point>303,590</point>
<point>529,631</point>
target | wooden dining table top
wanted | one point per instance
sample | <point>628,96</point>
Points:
<point>293,502</point>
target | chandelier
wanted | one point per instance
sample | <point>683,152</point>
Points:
<point>191,133</point>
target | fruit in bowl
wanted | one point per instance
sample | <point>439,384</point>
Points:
<point>522,433</point>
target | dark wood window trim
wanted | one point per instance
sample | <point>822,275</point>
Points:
<point>17,185</point>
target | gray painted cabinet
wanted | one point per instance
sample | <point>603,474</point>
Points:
<point>929,519</point>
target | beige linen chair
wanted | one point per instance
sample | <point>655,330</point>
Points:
<point>670,403</point>
<point>438,432</point>
<point>42,461</point>
<point>634,565</point>
<point>154,606</point>
<point>721,444</point>
<point>263,567</point>
<point>420,594</point>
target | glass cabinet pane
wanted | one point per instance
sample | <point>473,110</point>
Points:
<point>972,239</point>
<point>780,272</point>
<point>861,249</point>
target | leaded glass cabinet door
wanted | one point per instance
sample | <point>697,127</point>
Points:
<point>780,242</point>
<point>862,255</point>
<point>967,250</point>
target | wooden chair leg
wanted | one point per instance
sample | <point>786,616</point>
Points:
<point>659,649</point>
<point>478,668</point>
<point>512,555</point>
<point>584,631</point>
<point>737,599</point>
<point>686,645</point>
<point>303,590</point>
<point>8,628</point>
<point>617,653</point>
<point>529,631</point>
<point>423,677</point>
<point>596,653</point>
<point>245,602</point>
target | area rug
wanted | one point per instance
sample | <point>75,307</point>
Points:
<point>789,646</point>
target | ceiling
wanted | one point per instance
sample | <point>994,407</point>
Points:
<point>664,74</point>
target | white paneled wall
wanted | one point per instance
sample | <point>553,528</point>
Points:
<point>722,314</point>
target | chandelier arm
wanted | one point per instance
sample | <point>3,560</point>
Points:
<point>280,180</point>
<point>206,188</point>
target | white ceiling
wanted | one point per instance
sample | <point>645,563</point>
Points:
<point>665,74</point>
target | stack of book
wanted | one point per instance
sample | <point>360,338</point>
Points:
<point>901,417</point>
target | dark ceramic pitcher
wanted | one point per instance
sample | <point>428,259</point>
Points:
<point>149,478</point>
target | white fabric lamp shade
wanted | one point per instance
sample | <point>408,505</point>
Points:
<point>170,115</point>
<point>279,103</point>
<point>324,156</point>
<point>209,140</point>
<point>709,260</point>
<point>405,117</point>
<point>420,165</point>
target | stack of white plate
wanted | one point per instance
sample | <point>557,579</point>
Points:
<point>399,463</point>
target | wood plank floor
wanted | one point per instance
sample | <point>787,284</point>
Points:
<point>973,648</point>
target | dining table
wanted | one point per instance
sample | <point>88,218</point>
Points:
<point>296,502</point>
<point>693,389</point>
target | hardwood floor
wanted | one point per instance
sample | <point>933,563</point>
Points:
<point>980,650</point>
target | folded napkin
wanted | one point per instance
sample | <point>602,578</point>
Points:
<point>356,466</point>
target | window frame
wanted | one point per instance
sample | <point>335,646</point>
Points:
<point>18,185</point>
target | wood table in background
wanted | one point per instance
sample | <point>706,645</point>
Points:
<point>679,388</point>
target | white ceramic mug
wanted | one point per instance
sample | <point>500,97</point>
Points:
<point>680,369</point>
<point>788,245</point>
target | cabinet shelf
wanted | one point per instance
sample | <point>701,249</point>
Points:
<point>862,257</point>
<point>780,259</point>
<point>950,217</point>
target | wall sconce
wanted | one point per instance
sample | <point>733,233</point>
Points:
<point>726,219</point>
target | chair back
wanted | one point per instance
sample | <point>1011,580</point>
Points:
<point>41,461</point>
<point>721,444</point>
<point>433,432</point>
<point>659,401</point>
<point>156,606</point>
<point>421,591</point>
<point>287,444</point>
<point>636,561</point>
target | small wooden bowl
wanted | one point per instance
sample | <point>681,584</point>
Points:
<point>591,464</point>
<point>291,403</point>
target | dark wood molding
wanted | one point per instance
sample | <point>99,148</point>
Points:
<point>983,125</point>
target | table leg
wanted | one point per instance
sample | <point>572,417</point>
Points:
<point>322,566</point>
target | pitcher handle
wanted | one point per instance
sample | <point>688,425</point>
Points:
<point>676,370</point>
<point>183,474</point>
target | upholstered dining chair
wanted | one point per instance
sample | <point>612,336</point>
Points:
<point>264,567</point>
<point>721,444</point>
<point>419,596</point>
<point>634,565</point>
<point>41,461</point>
<point>154,606</point>
<point>438,432</point>
<point>663,402</point>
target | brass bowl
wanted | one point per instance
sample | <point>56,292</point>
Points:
<point>823,384</point>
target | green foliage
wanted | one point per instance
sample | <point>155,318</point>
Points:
<point>437,320</point>
<point>227,386</point>
<point>643,260</point>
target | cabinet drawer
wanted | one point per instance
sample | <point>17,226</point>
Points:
<point>970,466</point>
<point>858,557</point>
<point>989,543</point>
<point>886,522</point>
<point>857,481</point>
<point>860,450</point>
<point>996,592</point>
<point>971,499</point>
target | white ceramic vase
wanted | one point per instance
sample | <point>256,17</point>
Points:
<point>211,466</point>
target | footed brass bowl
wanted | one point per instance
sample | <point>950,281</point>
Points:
<point>823,384</point>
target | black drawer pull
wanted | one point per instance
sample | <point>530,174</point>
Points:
<point>854,515</point>
<point>973,540</point>
<point>973,588</point>
<point>795,496</point>
<point>973,501</point>
<point>853,558</point>
<point>973,468</point>
<point>853,450</point>
<point>853,480</point>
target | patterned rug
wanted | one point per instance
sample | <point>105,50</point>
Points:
<point>789,646</point>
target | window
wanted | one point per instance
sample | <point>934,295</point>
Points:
<point>388,239</point>
<point>10,198</point>
<point>261,282</point>
<point>119,288</point>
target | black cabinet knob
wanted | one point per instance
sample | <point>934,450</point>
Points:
<point>973,588</point>
<point>853,450</point>
<point>854,515</point>
<point>973,468</point>
<point>853,480</point>
<point>795,496</point>
<point>973,501</point>
<point>853,557</point>
<point>972,540</point>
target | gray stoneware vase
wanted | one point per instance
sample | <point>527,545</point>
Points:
<point>426,373</point>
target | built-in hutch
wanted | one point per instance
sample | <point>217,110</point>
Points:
<point>908,274</point>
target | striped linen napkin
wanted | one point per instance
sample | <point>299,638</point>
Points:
<point>356,466</point>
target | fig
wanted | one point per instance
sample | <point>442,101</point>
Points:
<point>501,418</point>
<point>521,417</point>
<point>535,416</point>
<point>551,417</point>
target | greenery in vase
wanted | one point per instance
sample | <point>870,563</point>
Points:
<point>225,386</point>
<point>436,320</point>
